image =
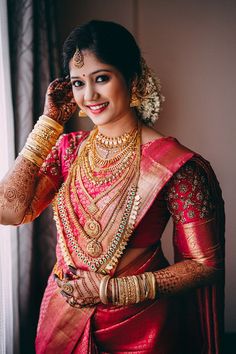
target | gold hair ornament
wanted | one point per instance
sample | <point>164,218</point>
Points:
<point>78,58</point>
<point>146,96</point>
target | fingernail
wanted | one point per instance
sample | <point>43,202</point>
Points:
<point>73,269</point>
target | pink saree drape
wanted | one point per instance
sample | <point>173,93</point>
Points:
<point>187,323</point>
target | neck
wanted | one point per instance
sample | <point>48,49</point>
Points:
<point>119,127</point>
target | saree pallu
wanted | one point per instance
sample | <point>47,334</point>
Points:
<point>184,324</point>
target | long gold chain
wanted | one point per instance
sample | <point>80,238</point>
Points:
<point>91,231</point>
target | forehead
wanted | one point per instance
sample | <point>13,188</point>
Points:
<point>91,64</point>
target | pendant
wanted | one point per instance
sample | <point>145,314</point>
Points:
<point>94,248</point>
<point>92,228</point>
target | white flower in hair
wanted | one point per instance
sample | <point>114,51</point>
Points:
<point>148,92</point>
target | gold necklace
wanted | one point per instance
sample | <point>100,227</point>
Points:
<point>66,211</point>
<point>99,170</point>
<point>113,142</point>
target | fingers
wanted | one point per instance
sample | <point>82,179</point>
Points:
<point>60,86</point>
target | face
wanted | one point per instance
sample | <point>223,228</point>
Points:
<point>100,91</point>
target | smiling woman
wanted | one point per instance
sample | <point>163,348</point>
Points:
<point>113,190</point>
<point>101,91</point>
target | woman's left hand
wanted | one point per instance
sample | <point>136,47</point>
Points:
<point>80,288</point>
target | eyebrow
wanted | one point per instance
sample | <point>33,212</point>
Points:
<point>93,73</point>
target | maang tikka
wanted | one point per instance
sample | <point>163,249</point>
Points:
<point>78,58</point>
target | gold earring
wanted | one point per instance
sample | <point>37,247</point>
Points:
<point>134,100</point>
<point>82,114</point>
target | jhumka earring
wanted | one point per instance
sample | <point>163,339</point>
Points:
<point>134,101</point>
<point>82,114</point>
<point>78,58</point>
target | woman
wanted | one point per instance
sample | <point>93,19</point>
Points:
<point>113,190</point>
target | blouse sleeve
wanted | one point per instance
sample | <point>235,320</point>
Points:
<point>192,205</point>
<point>188,195</point>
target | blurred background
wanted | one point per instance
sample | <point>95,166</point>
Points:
<point>190,44</point>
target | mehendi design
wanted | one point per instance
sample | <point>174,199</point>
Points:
<point>59,104</point>
<point>183,276</point>
<point>82,290</point>
<point>16,190</point>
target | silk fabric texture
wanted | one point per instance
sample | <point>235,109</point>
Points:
<point>188,323</point>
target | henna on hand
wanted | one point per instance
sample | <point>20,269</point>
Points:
<point>80,288</point>
<point>183,276</point>
<point>16,191</point>
<point>59,102</point>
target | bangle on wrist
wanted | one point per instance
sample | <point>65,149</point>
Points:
<point>133,289</point>
<point>40,141</point>
<point>103,289</point>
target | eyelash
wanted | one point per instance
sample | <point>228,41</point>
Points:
<point>99,79</point>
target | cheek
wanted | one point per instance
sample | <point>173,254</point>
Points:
<point>77,96</point>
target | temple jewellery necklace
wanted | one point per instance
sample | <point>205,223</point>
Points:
<point>91,227</point>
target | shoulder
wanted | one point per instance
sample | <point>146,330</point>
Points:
<point>66,148</point>
<point>149,134</point>
<point>71,140</point>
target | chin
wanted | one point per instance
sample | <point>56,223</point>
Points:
<point>100,120</point>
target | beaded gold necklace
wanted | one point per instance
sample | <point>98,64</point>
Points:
<point>113,173</point>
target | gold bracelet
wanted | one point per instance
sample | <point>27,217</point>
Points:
<point>103,289</point>
<point>137,289</point>
<point>154,285</point>
<point>31,157</point>
<point>40,140</point>
<point>113,291</point>
<point>51,122</point>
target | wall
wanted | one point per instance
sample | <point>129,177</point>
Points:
<point>191,44</point>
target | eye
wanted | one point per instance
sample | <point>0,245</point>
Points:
<point>102,78</point>
<point>77,83</point>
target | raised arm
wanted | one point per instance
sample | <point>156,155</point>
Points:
<point>23,189</point>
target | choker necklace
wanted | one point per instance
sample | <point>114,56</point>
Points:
<point>114,142</point>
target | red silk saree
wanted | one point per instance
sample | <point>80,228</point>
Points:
<point>191,322</point>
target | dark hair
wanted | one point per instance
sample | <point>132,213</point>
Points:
<point>110,42</point>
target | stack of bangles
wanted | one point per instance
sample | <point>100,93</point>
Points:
<point>128,290</point>
<point>40,141</point>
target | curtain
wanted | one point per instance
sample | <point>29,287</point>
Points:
<point>8,241</point>
<point>34,63</point>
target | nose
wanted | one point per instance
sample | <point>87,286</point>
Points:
<point>90,93</point>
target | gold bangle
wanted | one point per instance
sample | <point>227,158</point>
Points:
<point>30,156</point>
<point>113,291</point>
<point>137,289</point>
<point>40,140</point>
<point>103,289</point>
<point>51,122</point>
<point>154,285</point>
<point>36,149</point>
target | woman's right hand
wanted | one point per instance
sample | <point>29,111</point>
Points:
<point>59,101</point>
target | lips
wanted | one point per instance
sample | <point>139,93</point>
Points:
<point>98,108</point>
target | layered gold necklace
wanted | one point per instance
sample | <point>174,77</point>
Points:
<point>112,163</point>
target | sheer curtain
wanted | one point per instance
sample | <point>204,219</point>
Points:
<point>34,63</point>
<point>8,245</point>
